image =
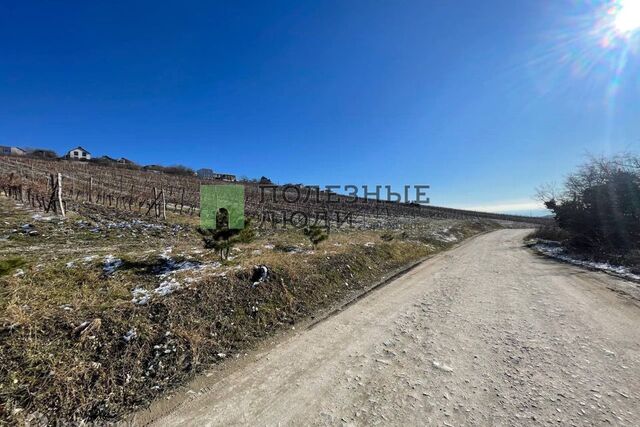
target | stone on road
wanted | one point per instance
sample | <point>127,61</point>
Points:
<point>485,334</point>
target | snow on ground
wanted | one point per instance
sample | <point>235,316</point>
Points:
<point>172,266</point>
<point>170,284</point>
<point>131,334</point>
<point>554,250</point>
<point>445,236</point>
<point>111,264</point>
<point>38,217</point>
<point>134,223</point>
<point>167,287</point>
<point>140,296</point>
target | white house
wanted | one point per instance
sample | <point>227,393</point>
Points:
<point>11,151</point>
<point>78,153</point>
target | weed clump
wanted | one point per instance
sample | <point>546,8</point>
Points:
<point>7,266</point>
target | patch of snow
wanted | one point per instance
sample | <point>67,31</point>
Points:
<point>369,245</point>
<point>172,267</point>
<point>111,264</point>
<point>445,236</point>
<point>131,334</point>
<point>38,217</point>
<point>140,296</point>
<point>124,225</point>
<point>554,250</point>
<point>167,287</point>
<point>269,246</point>
<point>19,272</point>
<point>169,284</point>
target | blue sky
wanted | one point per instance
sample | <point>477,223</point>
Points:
<point>482,102</point>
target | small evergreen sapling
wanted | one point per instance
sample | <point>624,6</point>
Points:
<point>222,238</point>
<point>315,234</point>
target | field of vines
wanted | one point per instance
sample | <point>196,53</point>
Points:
<point>60,186</point>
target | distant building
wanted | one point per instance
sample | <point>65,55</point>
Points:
<point>206,173</point>
<point>78,153</point>
<point>226,177</point>
<point>11,151</point>
<point>107,159</point>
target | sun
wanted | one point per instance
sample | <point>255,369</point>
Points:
<point>627,16</point>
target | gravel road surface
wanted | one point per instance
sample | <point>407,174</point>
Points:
<point>485,334</point>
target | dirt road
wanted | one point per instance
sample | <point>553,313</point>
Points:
<point>485,334</point>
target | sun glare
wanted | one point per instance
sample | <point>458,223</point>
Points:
<point>627,16</point>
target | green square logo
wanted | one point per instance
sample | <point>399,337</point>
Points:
<point>224,200</point>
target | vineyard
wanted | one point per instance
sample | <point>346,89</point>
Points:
<point>59,186</point>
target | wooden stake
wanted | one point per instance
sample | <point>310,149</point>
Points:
<point>60,195</point>
<point>155,202</point>
<point>164,205</point>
